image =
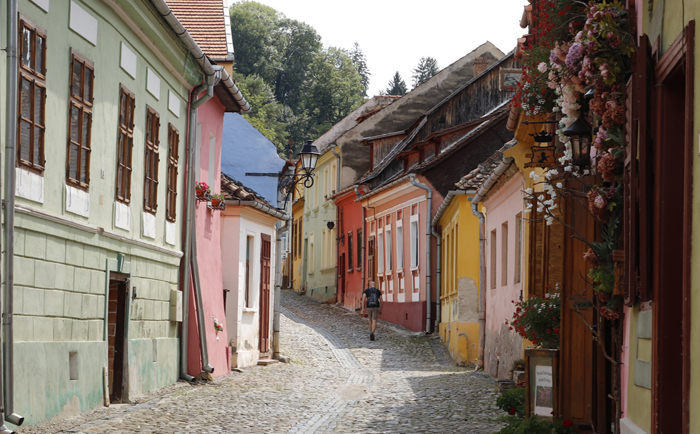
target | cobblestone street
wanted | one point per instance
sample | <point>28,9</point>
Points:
<point>337,381</point>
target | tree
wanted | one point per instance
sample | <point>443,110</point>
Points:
<point>396,86</point>
<point>332,90</point>
<point>427,67</point>
<point>360,61</point>
<point>265,112</point>
<point>299,44</point>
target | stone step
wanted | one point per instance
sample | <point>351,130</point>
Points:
<point>265,362</point>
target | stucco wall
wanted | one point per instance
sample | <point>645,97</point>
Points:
<point>502,346</point>
<point>351,221</point>
<point>208,223</point>
<point>243,323</point>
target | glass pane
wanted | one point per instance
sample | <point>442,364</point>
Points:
<point>147,193</point>
<point>120,174</point>
<point>129,145</point>
<point>73,162</point>
<point>122,110</point>
<point>38,145</point>
<point>77,79</point>
<point>148,164</point>
<point>40,52</point>
<point>86,130</point>
<point>24,137</point>
<point>87,91</point>
<point>26,98</point>
<point>84,166</point>
<point>26,54</point>
<point>38,105</point>
<point>74,123</point>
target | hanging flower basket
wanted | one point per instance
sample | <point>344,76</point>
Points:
<point>203,192</point>
<point>217,203</point>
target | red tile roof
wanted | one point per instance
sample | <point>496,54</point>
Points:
<point>204,21</point>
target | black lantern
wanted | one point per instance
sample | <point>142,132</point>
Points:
<point>580,134</point>
<point>309,155</point>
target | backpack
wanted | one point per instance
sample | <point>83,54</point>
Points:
<point>373,298</point>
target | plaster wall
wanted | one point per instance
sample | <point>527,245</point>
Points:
<point>243,322</point>
<point>319,210</point>
<point>402,198</point>
<point>502,346</point>
<point>298,278</point>
<point>62,252</point>
<point>350,226</point>
<point>636,400</point>
<point>459,323</point>
<point>208,227</point>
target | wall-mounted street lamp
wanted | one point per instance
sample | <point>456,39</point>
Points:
<point>309,156</point>
<point>580,134</point>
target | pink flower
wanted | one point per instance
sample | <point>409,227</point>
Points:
<point>599,202</point>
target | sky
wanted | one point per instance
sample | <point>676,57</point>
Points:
<point>394,35</point>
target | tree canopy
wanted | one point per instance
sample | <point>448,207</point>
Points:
<point>397,86</point>
<point>427,67</point>
<point>302,88</point>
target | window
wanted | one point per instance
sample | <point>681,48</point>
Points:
<point>125,144</point>
<point>32,97</point>
<point>173,156</point>
<point>359,248</point>
<point>248,275</point>
<point>389,258</point>
<point>399,245</point>
<point>518,247</point>
<point>414,242</point>
<point>504,254</point>
<point>380,252</point>
<point>299,227</point>
<point>150,183</point>
<point>311,257</point>
<point>82,74</point>
<point>350,250</point>
<point>492,274</point>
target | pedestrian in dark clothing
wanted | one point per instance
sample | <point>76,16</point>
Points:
<point>372,302</point>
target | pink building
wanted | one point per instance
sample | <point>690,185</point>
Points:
<point>206,22</point>
<point>501,196</point>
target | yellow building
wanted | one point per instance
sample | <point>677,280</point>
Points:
<point>296,248</point>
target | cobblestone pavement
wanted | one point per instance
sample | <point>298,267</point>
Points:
<point>338,381</point>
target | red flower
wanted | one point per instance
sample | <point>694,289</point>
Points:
<point>567,423</point>
<point>556,330</point>
<point>511,411</point>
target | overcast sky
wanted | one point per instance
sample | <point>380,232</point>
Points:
<point>394,35</point>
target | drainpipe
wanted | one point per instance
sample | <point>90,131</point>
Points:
<point>7,359</point>
<point>481,192</point>
<point>337,223</point>
<point>428,234</point>
<point>433,227</point>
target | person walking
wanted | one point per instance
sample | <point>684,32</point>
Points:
<point>372,302</point>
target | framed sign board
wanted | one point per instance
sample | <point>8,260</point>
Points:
<point>509,78</point>
<point>541,383</point>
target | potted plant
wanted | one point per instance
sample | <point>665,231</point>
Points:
<point>217,201</point>
<point>203,191</point>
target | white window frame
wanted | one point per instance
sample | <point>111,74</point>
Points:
<point>388,248</point>
<point>399,245</point>
<point>380,251</point>
<point>415,242</point>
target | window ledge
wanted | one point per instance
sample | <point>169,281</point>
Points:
<point>315,209</point>
<point>327,269</point>
<point>414,268</point>
<point>249,310</point>
<point>349,270</point>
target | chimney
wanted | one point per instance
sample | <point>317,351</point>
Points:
<point>480,65</point>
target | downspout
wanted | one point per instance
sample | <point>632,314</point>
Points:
<point>480,193</point>
<point>438,237</point>
<point>428,234</point>
<point>337,224</point>
<point>7,359</point>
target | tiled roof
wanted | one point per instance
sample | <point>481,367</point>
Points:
<point>476,178</point>
<point>204,21</point>
<point>235,190</point>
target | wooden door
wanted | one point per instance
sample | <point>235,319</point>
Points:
<point>116,326</point>
<point>371,261</point>
<point>577,357</point>
<point>265,253</point>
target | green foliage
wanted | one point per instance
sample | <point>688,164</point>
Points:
<point>360,62</point>
<point>397,86</point>
<point>512,401</point>
<point>296,89</point>
<point>427,67</point>
<point>265,112</point>
<point>535,425</point>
